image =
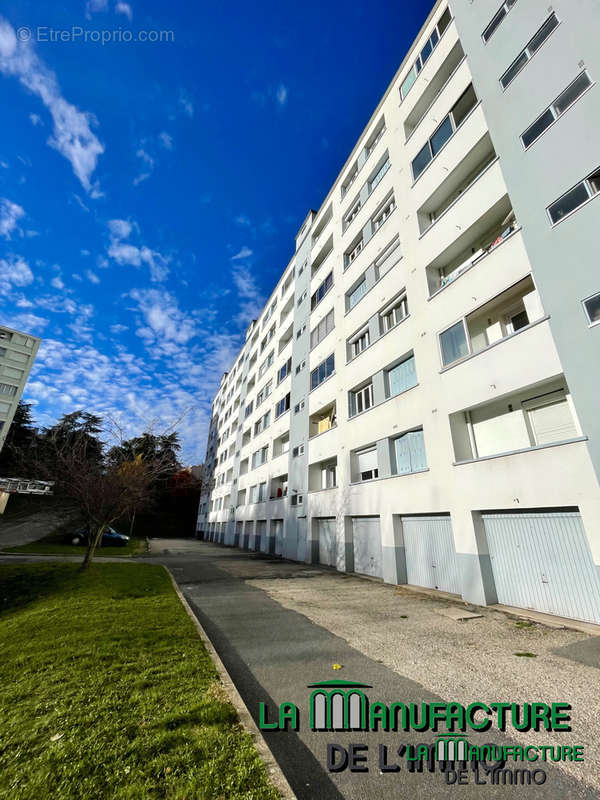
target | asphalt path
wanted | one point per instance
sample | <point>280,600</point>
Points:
<point>273,653</point>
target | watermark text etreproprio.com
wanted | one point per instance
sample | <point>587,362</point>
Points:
<point>45,33</point>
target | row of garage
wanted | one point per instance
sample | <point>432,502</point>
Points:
<point>540,560</point>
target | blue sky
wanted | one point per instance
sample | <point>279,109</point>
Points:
<point>150,191</point>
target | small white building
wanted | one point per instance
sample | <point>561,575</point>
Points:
<point>17,353</point>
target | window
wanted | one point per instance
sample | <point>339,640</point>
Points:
<point>427,50</point>
<point>299,407</point>
<point>558,107</point>
<point>284,370</point>
<point>300,366</point>
<point>391,316</point>
<point>259,457</point>
<point>497,19</point>
<point>303,297</point>
<point>248,410</point>
<point>352,213</point>
<point>297,499</point>
<point>355,295</point>
<point>300,331</point>
<point>262,492</point>
<point>298,451</point>
<point>575,197</point>
<point>445,130</point>
<point>321,291</point>
<point>534,43</point>
<point>366,464</point>
<point>266,364</point>
<point>361,399</point>
<point>379,174</point>
<point>262,424</point>
<point>282,406</point>
<point>381,217</point>
<point>409,451</point>
<point>321,330</point>
<point>592,309</point>
<point>322,372</point>
<point>6,388</point>
<point>353,252</point>
<point>454,343</point>
<point>401,377</point>
<point>7,335</point>
<point>349,180</point>
<point>359,343</point>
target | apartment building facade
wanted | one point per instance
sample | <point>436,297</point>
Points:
<point>17,353</point>
<point>416,401</point>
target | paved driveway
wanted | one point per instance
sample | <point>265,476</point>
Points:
<point>279,626</point>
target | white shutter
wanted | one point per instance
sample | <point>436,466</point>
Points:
<point>552,423</point>
<point>366,460</point>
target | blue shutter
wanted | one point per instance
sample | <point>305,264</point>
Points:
<point>416,444</point>
<point>402,377</point>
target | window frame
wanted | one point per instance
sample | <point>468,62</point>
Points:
<point>589,189</point>
<point>556,115</point>
<point>591,323</point>
<point>527,52</point>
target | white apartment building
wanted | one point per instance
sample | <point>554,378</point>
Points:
<point>400,408</point>
<point>17,352</point>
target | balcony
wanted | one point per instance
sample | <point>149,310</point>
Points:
<point>482,238</point>
<point>322,256</point>
<point>476,199</point>
<point>434,88</point>
<point>279,487</point>
<point>322,224</point>
<point>457,182</point>
<point>287,337</point>
<point>286,311</point>
<point>505,315</point>
<point>538,416</point>
<point>322,421</point>
<point>322,475</point>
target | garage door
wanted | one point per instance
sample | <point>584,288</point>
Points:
<point>277,538</point>
<point>248,531</point>
<point>366,535</point>
<point>260,540</point>
<point>326,536</point>
<point>542,561</point>
<point>430,555</point>
<point>238,534</point>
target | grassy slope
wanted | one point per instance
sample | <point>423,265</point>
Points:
<point>54,544</point>
<point>111,663</point>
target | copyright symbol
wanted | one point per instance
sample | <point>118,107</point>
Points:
<point>23,34</point>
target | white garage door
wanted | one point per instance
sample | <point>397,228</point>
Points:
<point>430,555</point>
<point>326,535</point>
<point>277,534</point>
<point>366,536</point>
<point>542,561</point>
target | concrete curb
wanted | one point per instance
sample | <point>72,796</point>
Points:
<point>274,771</point>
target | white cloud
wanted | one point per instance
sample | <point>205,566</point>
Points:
<point>94,6</point>
<point>251,298</point>
<point>147,166</point>
<point>57,283</point>
<point>91,276</point>
<point>10,214</point>
<point>245,252</point>
<point>123,252</point>
<point>14,271</point>
<point>281,94</point>
<point>35,119</point>
<point>117,328</point>
<point>124,8</point>
<point>243,220</point>
<point>166,140</point>
<point>72,135</point>
<point>162,317</point>
<point>185,101</point>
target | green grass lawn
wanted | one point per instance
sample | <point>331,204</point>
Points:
<point>108,692</point>
<point>54,544</point>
